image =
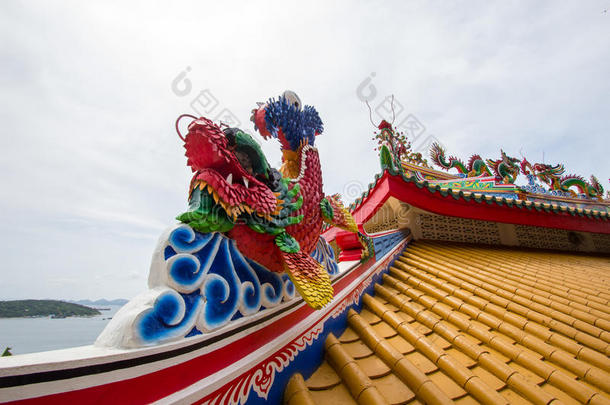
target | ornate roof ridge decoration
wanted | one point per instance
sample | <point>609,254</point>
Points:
<point>476,181</point>
<point>251,237</point>
<point>507,169</point>
<point>478,197</point>
<point>397,145</point>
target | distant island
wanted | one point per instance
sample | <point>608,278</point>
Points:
<point>101,302</point>
<point>53,308</point>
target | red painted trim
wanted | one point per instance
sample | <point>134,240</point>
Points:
<point>407,191</point>
<point>159,384</point>
<point>449,206</point>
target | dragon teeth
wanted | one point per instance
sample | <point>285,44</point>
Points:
<point>230,178</point>
<point>246,182</point>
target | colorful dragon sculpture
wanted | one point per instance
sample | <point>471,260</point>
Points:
<point>275,217</point>
<point>505,169</point>
<point>551,176</point>
<point>476,165</point>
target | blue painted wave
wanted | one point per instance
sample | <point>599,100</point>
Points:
<point>205,283</point>
<point>325,255</point>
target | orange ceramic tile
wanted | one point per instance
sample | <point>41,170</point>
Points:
<point>400,344</point>
<point>373,366</point>
<point>336,395</point>
<point>357,349</point>
<point>421,362</point>
<point>348,336</point>
<point>323,378</point>
<point>491,380</point>
<point>467,400</point>
<point>446,384</point>
<point>369,316</point>
<point>384,330</point>
<point>501,325</point>
<point>513,397</point>
<point>559,394</point>
<point>404,316</point>
<point>461,357</point>
<point>394,390</point>
<point>296,392</point>
<point>531,392</point>
<point>527,374</point>
<point>432,394</point>
<point>387,304</point>
<point>439,340</point>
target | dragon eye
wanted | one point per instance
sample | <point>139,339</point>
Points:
<point>292,98</point>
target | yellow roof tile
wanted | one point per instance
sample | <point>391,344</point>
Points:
<point>348,336</point>
<point>296,392</point>
<point>384,329</point>
<point>559,394</point>
<point>514,398</point>
<point>421,362</point>
<point>323,378</point>
<point>446,384</point>
<point>373,366</point>
<point>394,390</point>
<point>529,376</point>
<point>336,395</point>
<point>474,323</point>
<point>357,349</point>
<point>491,380</point>
<point>401,344</point>
<point>370,317</point>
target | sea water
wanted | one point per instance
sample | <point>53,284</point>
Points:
<point>29,335</point>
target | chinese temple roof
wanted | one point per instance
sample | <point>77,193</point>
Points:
<point>473,324</point>
<point>478,205</point>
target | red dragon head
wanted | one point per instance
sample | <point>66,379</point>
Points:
<point>231,166</point>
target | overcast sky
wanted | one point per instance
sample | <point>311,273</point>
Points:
<point>91,170</point>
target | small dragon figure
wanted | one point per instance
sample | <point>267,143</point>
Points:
<point>505,168</point>
<point>551,176</point>
<point>275,217</point>
<point>476,165</point>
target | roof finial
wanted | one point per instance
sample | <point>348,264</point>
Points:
<point>370,113</point>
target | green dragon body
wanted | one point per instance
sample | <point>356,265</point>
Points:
<point>551,175</point>
<point>506,168</point>
<point>476,165</point>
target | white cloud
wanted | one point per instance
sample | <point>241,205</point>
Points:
<point>91,167</point>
